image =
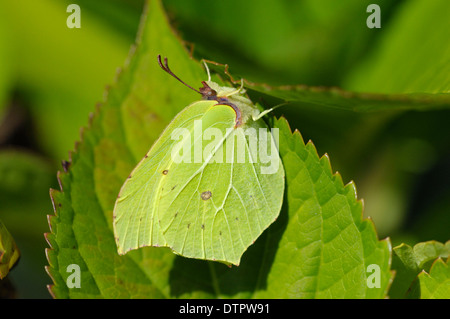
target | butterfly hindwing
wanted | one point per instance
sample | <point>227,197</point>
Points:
<point>201,189</point>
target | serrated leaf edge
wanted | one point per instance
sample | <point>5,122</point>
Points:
<point>352,186</point>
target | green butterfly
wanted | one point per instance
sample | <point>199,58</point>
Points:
<point>209,186</point>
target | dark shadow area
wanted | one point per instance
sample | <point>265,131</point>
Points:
<point>428,196</point>
<point>7,290</point>
<point>16,127</point>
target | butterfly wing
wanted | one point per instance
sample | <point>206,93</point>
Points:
<point>216,209</point>
<point>204,194</point>
<point>135,219</point>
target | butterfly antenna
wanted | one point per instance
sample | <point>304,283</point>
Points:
<point>166,68</point>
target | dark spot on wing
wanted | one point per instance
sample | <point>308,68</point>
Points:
<point>203,226</point>
<point>165,172</point>
<point>206,195</point>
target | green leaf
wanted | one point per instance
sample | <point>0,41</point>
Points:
<point>413,54</point>
<point>308,41</point>
<point>390,78</point>
<point>332,97</point>
<point>319,247</point>
<point>436,284</point>
<point>409,261</point>
<point>326,247</point>
<point>50,71</point>
<point>9,253</point>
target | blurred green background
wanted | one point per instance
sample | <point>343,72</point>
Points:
<point>51,78</point>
